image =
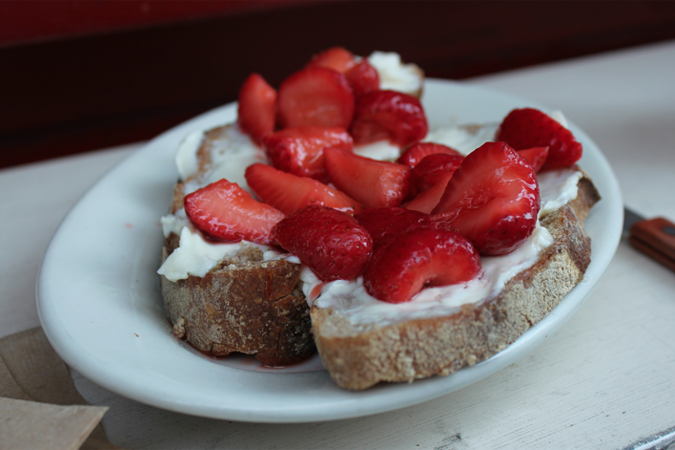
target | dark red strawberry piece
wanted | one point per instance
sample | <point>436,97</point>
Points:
<point>536,156</point>
<point>433,168</point>
<point>299,150</point>
<point>389,115</point>
<point>388,221</point>
<point>315,96</point>
<point>427,200</point>
<point>415,153</point>
<point>400,269</point>
<point>288,193</point>
<point>256,111</point>
<point>528,127</point>
<point>370,182</point>
<point>336,58</point>
<point>363,78</point>
<point>224,211</point>
<point>328,241</point>
<point>492,199</point>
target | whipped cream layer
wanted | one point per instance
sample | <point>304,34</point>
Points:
<point>197,256</point>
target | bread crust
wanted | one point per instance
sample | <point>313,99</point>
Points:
<point>253,307</point>
<point>358,358</point>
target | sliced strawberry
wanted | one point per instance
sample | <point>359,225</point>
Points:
<point>256,113</point>
<point>433,168</point>
<point>225,212</point>
<point>315,96</point>
<point>415,153</point>
<point>329,241</point>
<point>363,78</point>
<point>427,200</point>
<point>389,115</point>
<point>400,269</point>
<point>536,156</point>
<point>492,199</point>
<point>370,182</point>
<point>336,58</point>
<point>527,128</point>
<point>288,193</point>
<point>385,222</point>
<point>299,150</point>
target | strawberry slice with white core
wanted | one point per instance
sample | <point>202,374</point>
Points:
<point>299,150</point>
<point>225,212</point>
<point>363,78</point>
<point>415,153</point>
<point>315,96</point>
<point>328,241</point>
<point>492,199</point>
<point>288,193</point>
<point>419,258</point>
<point>528,127</point>
<point>391,115</point>
<point>433,168</point>
<point>536,156</point>
<point>257,107</point>
<point>371,182</point>
<point>336,58</point>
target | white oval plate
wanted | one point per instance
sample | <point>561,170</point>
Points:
<point>100,305</point>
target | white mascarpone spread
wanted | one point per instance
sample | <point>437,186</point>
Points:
<point>233,151</point>
<point>394,75</point>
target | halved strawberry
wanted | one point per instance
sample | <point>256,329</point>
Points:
<point>400,269</point>
<point>433,168</point>
<point>329,241</point>
<point>299,150</point>
<point>256,111</point>
<point>223,211</point>
<point>415,153</point>
<point>288,193</point>
<point>315,96</point>
<point>371,182</point>
<point>536,156</point>
<point>336,58</point>
<point>363,78</point>
<point>389,115</point>
<point>492,199</point>
<point>427,200</point>
<point>528,127</point>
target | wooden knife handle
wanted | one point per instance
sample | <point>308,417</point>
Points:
<point>656,237</point>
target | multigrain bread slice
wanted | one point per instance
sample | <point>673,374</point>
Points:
<point>358,357</point>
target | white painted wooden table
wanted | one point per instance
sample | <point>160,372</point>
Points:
<point>605,381</point>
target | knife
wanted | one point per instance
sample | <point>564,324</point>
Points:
<point>653,237</point>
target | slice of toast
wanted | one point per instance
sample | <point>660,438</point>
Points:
<point>244,304</point>
<point>359,356</point>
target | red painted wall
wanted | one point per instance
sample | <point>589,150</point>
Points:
<point>30,20</point>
